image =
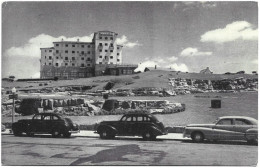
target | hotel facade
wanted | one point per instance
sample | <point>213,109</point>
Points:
<point>76,59</point>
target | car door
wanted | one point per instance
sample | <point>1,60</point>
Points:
<point>224,129</point>
<point>129,125</point>
<point>36,125</point>
<point>241,126</point>
<point>46,123</point>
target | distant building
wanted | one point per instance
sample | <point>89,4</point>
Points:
<point>75,59</point>
<point>206,71</point>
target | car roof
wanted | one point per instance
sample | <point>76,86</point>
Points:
<point>239,117</point>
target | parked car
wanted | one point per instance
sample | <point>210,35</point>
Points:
<point>224,128</point>
<point>132,124</point>
<point>45,123</point>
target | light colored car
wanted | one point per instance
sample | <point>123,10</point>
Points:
<point>224,128</point>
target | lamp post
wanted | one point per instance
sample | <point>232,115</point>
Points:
<point>13,91</point>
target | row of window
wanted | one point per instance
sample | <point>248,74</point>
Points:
<point>106,57</point>
<point>106,38</point>
<point>67,58</point>
<point>66,51</point>
<point>73,45</point>
<point>66,74</point>
<point>67,64</point>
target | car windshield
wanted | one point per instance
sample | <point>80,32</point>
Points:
<point>215,122</point>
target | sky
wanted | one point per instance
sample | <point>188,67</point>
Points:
<point>184,36</point>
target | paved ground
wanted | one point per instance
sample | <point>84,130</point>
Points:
<point>87,149</point>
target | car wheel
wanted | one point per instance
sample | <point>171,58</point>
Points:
<point>148,135</point>
<point>55,133</point>
<point>104,134</point>
<point>197,137</point>
<point>67,135</point>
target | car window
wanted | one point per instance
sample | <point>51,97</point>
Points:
<point>129,119</point>
<point>147,119</point>
<point>123,118</point>
<point>134,119</point>
<point>55,118</point>
<point>37,117</point>
<point>242,122</point>
<point>225,122</point>
<point>47,118</point>
<point>139,118</point>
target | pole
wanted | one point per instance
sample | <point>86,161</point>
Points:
<point>13,110</point>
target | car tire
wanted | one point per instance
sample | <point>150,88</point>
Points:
<point>148,135</point>
<point>66,135</point>
<point>55,133</point>
<point>197,137</point>
<point>104,134</point>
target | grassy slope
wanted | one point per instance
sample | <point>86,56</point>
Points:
<point>154,78</point>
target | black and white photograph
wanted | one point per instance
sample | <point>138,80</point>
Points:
<point>129,83</point>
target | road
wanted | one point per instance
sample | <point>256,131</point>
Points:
<point>44,150</point>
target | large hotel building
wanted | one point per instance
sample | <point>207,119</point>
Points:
<point>76,59</point>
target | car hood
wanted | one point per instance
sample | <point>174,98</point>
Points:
<point>201,125</point>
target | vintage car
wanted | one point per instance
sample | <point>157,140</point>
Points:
<point>132,124</point>
<point>224,128</point>
<point>45,123</point>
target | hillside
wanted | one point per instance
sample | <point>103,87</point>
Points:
<point>154,78</point>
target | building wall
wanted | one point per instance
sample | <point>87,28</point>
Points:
<point>65,58</point>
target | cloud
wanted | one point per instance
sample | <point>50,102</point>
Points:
<point>32,47</point>
<point>163,62</point>
<point>124,42</point>
<point>233,31</point>
<point>179,67</point>
<point>190,52</point>
<point>187,5</point>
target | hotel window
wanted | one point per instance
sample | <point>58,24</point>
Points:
<point>117,53</point>
<point>111,57</point>
<point>66,64</point>
<point>57,57</point>
<point>81,75</point>
<point>57,74</point>
<point>105,38</point>
<point>82,46</point>
<point>88,46</point>
<point>45,57</point>
<point>50,50</point>
<point>57,45</point>
<point>66,58</point>
<point>88,64</point>
<point>100,62</point>
<point>111,62</point>
<point>65,74</point>
<point>82,65</point>
<point>66,51</point>
<point>73,64</point>
<point>89,52</point>
<point>100,50</point>
<point>73,51</point>
<point>82,58</point>
<point>105,57</point>
<point>111,45</point>
<point>100,56</point>
<point>111,38</point>
<point>100,38</point>
<point>57,51</point>
<point>73,45</point>
<point>73,58</point>
<point>118,60</point>
<point>105,44</point>
<point>100,44</point>
<point>105,50</point>
<point>49,63</point>
<point>50,57</point>
<point>82,52</point>
<point>77,51</point>
<point>111,50</point>
<point>57,64</point>
<point>66,45</point>
<point>45,50</point>
<point>89,59</point>
<point>45,63</point>
<point>118,48</point>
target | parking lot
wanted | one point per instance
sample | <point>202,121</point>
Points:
<point>90,150</point>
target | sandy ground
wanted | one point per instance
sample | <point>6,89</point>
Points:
<point>44,150</point>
